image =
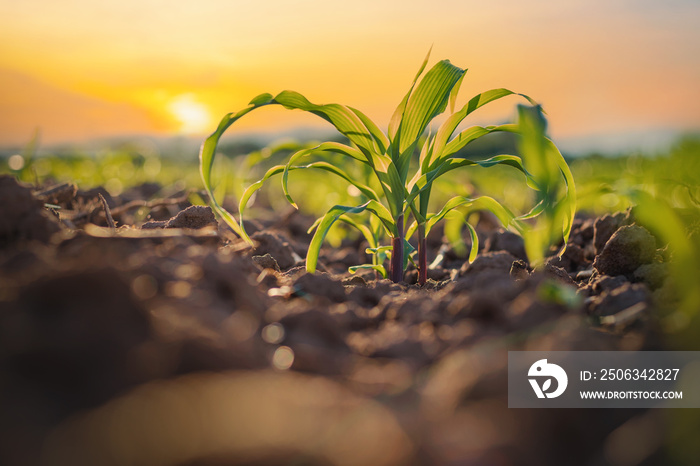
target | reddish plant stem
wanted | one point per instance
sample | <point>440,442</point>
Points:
<point>422,256</point>
<point>397,252</point>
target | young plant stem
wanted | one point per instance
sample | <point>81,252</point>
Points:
<point>422,256</point>
<point>397,252</point>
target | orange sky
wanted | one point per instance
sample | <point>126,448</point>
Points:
<point>80,69</point>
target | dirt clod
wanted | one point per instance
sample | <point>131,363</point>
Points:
<point>611,302</point>
<point>22,217</point>
<point>193,217</point>
<point>154,224</point>
<point>355,280</point>
<point>606,226</point>
<point>519,270</point>
<point>573,258</point>
<point>320,285</point>
<point>61,195</point>
<point>266,262</point>
<point>558,273</point>
<point>506,241</point>
<point>630,247</point>
<point>601,283</point>
<point>277,246</point>
<point>500,261</point>
<point>653,275</point>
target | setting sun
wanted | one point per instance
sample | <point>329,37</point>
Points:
<point>137,68</point>
<point>193,116</point>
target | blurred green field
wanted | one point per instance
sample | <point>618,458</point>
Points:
<point>672,176</point>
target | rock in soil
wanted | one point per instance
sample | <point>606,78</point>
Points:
<point>630,247</point>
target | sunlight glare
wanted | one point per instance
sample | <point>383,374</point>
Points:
<point>193,116</point>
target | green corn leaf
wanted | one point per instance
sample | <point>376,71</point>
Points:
<point>448,127</point>
<point>327,147</point>
<point>383,168</point>
<point>546,161</point>
<point>333,147</point>
<point>411,230</point>
<point>408,251</point>
<point>465,137</point>
<point>270,151</point>
<point>453,231</point>
<point>569,201</point>
<point>377,267</point>
<point>534,212</point>
<point>426,151</point>
<point>429,99</point>
<point>422,183</point>
<point>393,187</point>
<point>357,127</point>
<point>379,250</point>
<point>455,91</point>
<point>314,225</point>
<point>479,203</point>
<point>262,99</point>
<point>344,119</point>
<point>366,190</point>
<point>364,229</point>
<point>475,242</point>
<point>547,165</point>
<point>333,214</point>
<point>397,117</point>
<point>250,190</point>
<point>248,193</point>
<point>207,153</point>
<point>379,136</point>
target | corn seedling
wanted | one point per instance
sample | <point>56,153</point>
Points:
<point>546,164</point>
<point>388,156</point>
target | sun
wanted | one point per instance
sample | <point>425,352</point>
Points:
<point>193,116</point>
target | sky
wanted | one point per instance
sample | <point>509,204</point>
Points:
<point>85,69</point>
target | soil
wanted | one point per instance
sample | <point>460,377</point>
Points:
<point>166,340</point>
